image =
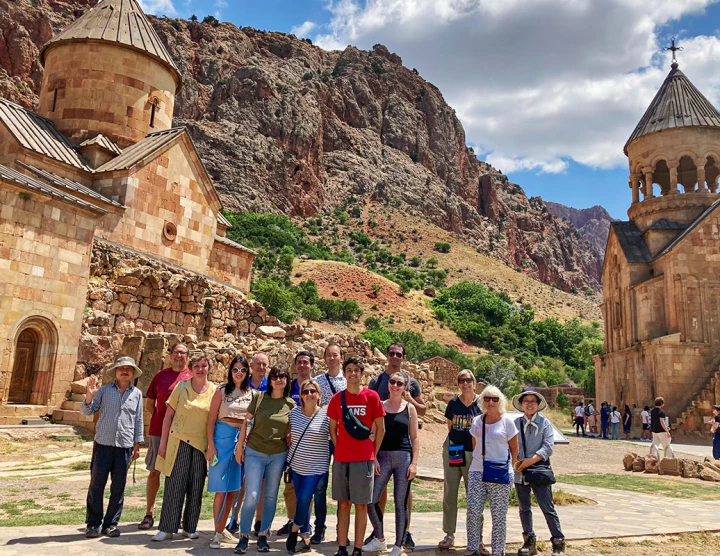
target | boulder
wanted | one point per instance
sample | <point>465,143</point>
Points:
<point>651,464</point>
<point>708,474</point>
<point>96,351</point>
<point>690,469</point>
<point>79,386</point>
<point>271,331</point>
<point>628,460</point>
<point>670,466</point>
<point>639,464</point>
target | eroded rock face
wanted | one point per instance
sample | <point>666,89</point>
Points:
<point>287,127</point>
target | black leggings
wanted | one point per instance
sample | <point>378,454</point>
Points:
<point>392,464</point>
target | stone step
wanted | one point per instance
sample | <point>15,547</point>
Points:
<point>66,416</point>
<point>77,398</point>
<point>71,406</point>
<point>32,421</point>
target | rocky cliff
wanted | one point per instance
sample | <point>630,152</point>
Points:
<point>285,126</point>
<point>593,223</point>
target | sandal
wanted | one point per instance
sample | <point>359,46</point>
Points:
<point>147,523</point>
<point>483,551</point>
<point>447,543</point>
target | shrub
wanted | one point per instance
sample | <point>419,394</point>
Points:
<point>442,247</point>
<point>307,76</point>
<point>562,400</point>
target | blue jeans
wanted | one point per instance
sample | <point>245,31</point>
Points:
<point>604,425</point>
<point>716,447</point>
<point>259,466</point>
<point>615,431</point>
<point>107,461</point>
<point>320,497</point>
<point>543,493</point>
<point>305,487</point>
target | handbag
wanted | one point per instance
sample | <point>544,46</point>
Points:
<point>494,471</point>
<point>352,424</point>
<point>539,473</point>
<point>287,477</point>
<point>456,455</point>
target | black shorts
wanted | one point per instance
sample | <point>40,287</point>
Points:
<point>646,427</point>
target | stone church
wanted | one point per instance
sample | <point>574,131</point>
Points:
<point>98,162</point>
<point>661,275</point>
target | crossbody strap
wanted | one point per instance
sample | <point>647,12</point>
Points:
<point>330,384</point>
<point>483,439</point>
<point>301,437</point>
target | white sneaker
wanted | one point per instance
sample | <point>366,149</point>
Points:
<point>228,537</point>
<point>216,540</point>
<point>375,545</point>
<point>161,536</point>
<point>396,551</point>
<point>194,535</point>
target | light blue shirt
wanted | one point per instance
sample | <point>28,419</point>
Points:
<point>121,415</point>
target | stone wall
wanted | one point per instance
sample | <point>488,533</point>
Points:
<point>444,372</point>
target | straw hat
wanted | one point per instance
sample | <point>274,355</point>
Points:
<point>517,400</point>
<point>124,362</point>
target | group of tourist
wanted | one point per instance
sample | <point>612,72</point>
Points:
<point>261,427</point>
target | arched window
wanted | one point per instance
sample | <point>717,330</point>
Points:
<point>153,107</point>
<point>687,173</point>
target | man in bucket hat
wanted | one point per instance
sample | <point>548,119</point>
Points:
<point>535,446</point>
<point>118,434</point>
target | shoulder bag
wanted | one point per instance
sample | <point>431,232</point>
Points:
<point>352,424</point>
<point>539,473</point>
<point>287,478</point>
<point>493,471</point>
<point>330,384</point>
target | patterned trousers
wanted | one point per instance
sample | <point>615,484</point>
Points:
<point>184,485</point>
<point>499,496</point>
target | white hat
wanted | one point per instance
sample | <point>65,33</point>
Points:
<point>124,361</point>
<point>517,400</point>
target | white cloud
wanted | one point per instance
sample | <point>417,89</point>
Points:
<point>536,83</point>
<point>158,7</point>
<point>220,5</point>
<point>304,29</point>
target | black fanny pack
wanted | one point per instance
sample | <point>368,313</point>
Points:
<point>352,424</point>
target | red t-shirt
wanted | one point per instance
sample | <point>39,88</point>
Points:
<point>161,386</point>
<point>367,407</point>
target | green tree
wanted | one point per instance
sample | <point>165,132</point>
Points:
<point>311,313</point>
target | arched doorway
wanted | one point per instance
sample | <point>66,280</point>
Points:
<point>21,380</point>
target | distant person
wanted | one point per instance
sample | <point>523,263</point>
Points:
<point>331,382</point>
<point>118,434</point>
<point>604,418</point>
<point>615,419</point>
<point>627,421</point>
<point>715,428</point>
<point>353,413</point>
<point>661,436</point>
<point>645,418</point>
<point>535,448</point>
<point>592,417</point>
<point>161,386</point>
<point>579,419</point>
<point>457,453</point>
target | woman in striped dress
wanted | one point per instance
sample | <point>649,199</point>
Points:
<point>307,458</point>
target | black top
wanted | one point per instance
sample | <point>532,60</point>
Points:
<point>717,420</point>
<point>655,415</point>
<point>380,384</point>
<point>462,417</point>
<point>397,432</point>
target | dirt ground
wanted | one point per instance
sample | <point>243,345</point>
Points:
<point>696,544</point>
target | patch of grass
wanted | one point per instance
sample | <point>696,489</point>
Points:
<point>638,483</point>
<point>80,465</point>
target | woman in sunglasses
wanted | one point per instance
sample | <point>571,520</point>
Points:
<point>495,452</point>
<point>308,458</point>
<point>397,458</point>
<point>264,456</point>
<point>228,410</point>
<point>457,453</point>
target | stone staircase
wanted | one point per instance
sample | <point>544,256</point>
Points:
<point>691,425</point>
<point>69,413</point>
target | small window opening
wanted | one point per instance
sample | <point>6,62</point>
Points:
<point>54,99</point>
<point>152,115</point>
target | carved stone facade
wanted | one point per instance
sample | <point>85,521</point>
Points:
<point>98,166</point>
<point>661,274</point>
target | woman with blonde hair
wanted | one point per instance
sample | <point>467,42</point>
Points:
<point>495,450</point>
<point>181,454</point>
<point>308,460</point>
<point>457,452</point>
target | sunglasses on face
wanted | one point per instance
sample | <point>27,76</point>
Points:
<point>309,391</point>
<point>465,380</point>
<point>491,399</point>
<point>395,354</point>
<point>239,370</point>
<point>396,382</point>
<point>278,377</point>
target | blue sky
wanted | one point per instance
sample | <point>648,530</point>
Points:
<point>547,90</point>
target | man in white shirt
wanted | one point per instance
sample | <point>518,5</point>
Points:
<point>645,417</point>
<point>579,419</point>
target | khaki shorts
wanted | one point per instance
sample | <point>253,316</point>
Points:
<point>153,445</point>
<point>353,481</point>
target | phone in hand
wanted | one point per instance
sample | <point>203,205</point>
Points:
<point>214,461</point>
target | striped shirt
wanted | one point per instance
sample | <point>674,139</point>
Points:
<point>121,415</point>
<point>326,393</point>
<point>312,456</point>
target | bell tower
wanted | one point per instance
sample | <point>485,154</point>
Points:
<point>109,73</point>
